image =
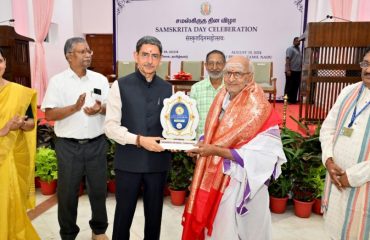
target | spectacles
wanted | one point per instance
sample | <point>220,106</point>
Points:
<point>364,64</point>
<point>218,64</point>
<point>84,52</point>
<point>148,55</point>
<point>237,75</point>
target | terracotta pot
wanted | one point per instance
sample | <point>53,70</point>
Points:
<point>48,188</point>
<point>278,205</point>
<point>316,208</point>
<point>111,186</point>
<point>166,191</point>
<point>37,182</point>
<point>302,209</point>
<point>178,197</point>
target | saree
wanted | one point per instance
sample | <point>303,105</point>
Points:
<point>248,114</point>
<point>17,156</point>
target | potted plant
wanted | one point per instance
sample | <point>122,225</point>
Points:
<point>306,169</point>
<point>319,183</point>
<point>180,176</point>
<point>45,138</point>
<point>279,190</point>
<point>46,169</point>
<point>111,176</point>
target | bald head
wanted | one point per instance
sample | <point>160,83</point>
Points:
<point>238,74</point>
<point>239,63</point>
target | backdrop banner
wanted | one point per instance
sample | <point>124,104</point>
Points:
<point>188,30</point>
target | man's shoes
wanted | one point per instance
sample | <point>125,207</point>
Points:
<point>99,236</point>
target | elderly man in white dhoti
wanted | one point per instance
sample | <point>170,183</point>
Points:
<point>345,143</point>
<point>241,150</point>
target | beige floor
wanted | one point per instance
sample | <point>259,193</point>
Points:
<point>285,226</point>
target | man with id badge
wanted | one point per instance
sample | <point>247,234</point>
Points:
<point>345,143</point>
<point>75,100</point>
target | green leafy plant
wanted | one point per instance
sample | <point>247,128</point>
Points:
<point>281,187</point>
<point>110,159</point>
<point>304,156</point>
<point>181,171</point>
<point>46,164</point>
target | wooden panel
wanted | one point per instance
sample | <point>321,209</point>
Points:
<point>331,60</point>
<point>341,34</point>
<point>102,60</point>
<point>16,51</point>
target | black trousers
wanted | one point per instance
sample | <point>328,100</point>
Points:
<point>76,160</point>
<point>128,186</point>
<point>292,85</point>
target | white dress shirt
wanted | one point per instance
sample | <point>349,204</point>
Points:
<point>63,90</point>
<point>112,124</point>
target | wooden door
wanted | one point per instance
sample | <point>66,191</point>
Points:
<point>102,60</point>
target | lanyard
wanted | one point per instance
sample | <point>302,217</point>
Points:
<point>354,115</point>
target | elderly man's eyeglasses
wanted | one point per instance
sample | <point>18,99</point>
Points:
<point>218,64</point>
<point>84,52</point>
<point>364,64</point>
<point>237,75</point>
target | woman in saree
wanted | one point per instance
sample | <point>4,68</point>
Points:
<point>17,155</point>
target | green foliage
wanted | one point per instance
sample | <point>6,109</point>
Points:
<point>181,171</point>
<point>46,164</point>
<point>110,159</point>
<point>306,168</point>
<point>303,174</point>
<point>282,186</point>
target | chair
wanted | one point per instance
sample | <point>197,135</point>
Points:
<point>263,77</point>
<point>164,70</point>
<point>125,68</point>
<point>195,68</point>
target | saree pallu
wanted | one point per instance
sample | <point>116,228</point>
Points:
<point>246,115</point>
<point>17,156</point>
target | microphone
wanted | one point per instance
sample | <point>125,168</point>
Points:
<point>331,17</point>
<point>327,17</point>
<point>9,20</point>
<point>343,19</point>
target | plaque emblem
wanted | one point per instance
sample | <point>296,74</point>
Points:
<point>179,119</point>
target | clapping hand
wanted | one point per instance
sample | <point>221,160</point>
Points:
<point>96,108</point>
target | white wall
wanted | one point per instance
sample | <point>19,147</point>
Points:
<point>96,16</point>
<point>5,11</point>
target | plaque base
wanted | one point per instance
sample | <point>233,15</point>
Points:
<point>173,144</point>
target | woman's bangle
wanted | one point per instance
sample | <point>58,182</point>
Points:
<point>138,141</point>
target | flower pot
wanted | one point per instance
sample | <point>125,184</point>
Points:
<point>37,182</point>
<point>302,209</point>
<point>48,188</point>
<point>178,197</point>
<point>111,184</point>
<point>316,208</point>
<point>166,191</point>
<point>278,205</point>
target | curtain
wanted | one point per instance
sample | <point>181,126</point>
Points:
<point>364,10</point>
<point>20,15</point>
<point>341,9</point>
<point>42,13</point>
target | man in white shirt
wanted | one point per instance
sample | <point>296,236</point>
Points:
<point>345,143</point>
<point>75,101</point>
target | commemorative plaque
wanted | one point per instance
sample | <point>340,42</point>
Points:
<point>179,119</point>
